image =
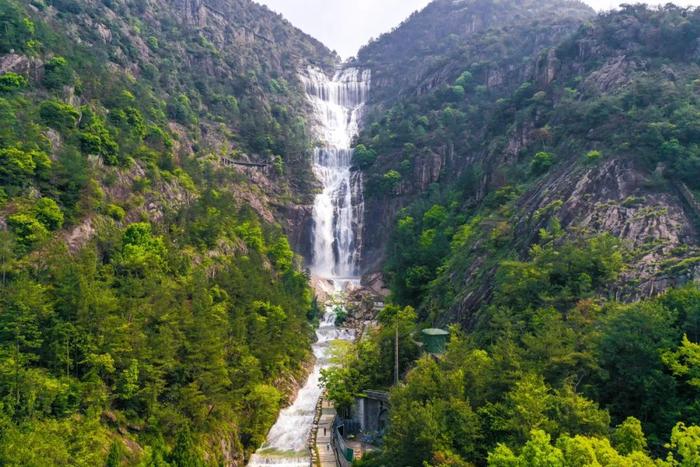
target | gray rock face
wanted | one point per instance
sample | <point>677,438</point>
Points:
<point>657,220</point>
<point>300,228</point>
<point>619,198</point>
<point>15,63</point>
<point>426,50</point>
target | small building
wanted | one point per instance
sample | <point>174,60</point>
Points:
<point>361,433</point>
<point>435,340</point>
<point>371,411</point>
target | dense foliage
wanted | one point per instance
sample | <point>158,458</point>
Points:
<point>154,334</point>
<point>553,374</point>
<point>480,167</point>
<point>148,315</point>
<point>500,233</point>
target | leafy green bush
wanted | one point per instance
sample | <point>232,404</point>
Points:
<point>116,212</point>
<point>593,156</point>
<point>96,139</point>
<point>465,80</point>
<point>48,213</point>
<point>58,115</point>
<point>57,73</point>
<point>180,109</point>
<point>278,164</point>
<point>16,166</point>
<point>364,157</point>
<point>391,180</point>
<point>541,163</point>
<point>10,82</point>
<point>18,30</point>
<point>28,230</point>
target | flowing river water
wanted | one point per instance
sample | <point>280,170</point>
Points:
<point>338,212</point>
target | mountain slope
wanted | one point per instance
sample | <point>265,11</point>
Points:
<point>431,47</point>
<point>538,200</point>
<point>598,136</point>
<point>151,308</point>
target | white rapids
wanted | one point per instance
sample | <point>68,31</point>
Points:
<point>339,208</point>
<point>338,212</point>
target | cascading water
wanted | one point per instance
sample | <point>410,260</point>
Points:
<point>286,444</point>
<point>339,208</point>
<point>338,213</point>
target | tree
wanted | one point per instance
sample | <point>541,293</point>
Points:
<point>185,453</point>
<point>628,437</point>
<point>48,213</point>
<point>541,163</point>
<point>525,408</point>
<point>18,29</point>
<point>574,414</point>
<point>391,180</point>
<point>24,308</point>
<point>10,82</point>
<point>262,405</point>
<point>7,255</point>
<point>632,339</point>
<point>27,229</point>
<point>401,322</point>
<point>58,115</point>
<point>364,157</point>
<point>57,73</point>
<point>537,451</point>
<point>16,166</point>
<point>685,362</point>
<point>141,250</point>
<point>685,441</point>
<point>577,451</point>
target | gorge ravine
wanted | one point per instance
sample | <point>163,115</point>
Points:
<point>338,211</point>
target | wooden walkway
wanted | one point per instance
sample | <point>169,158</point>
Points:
<point>323,454</point>
<point>226,162</point>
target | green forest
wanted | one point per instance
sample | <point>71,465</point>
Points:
<point>133,336</point>
<point>553,374</point>
<point>533,190</point>
<point>560,367</point>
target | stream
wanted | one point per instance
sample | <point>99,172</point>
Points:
<point>338,212</point>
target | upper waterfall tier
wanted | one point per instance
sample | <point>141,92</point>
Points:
<point>338,212</point>
<point>338,103</point>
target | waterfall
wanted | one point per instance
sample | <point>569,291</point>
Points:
<point>337,239</point>
<point>339,208</point>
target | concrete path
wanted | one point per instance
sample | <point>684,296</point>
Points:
<point>326,453</point>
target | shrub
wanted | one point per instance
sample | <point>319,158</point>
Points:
<point>364,157</point>
<point>391,180</point>
<point>43,164</point>
<point>29,230</point>
<point>16,166</point>
<point>49,214</point>
<point>464,80</point>
<point>278,164</point>
<point>541,163</point>
<point>57,73</point>
<point>17,29</point>
<point>116,212</point>
<point>10,82</point>
<point>180,110</point>
<point>96,139</point>
<point>593,156</point>
<point>58,115</point>
<point>456,93</point>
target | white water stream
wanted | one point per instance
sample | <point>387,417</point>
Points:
<point>337,238</point>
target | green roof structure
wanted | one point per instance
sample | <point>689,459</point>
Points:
<point>435,340</point>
